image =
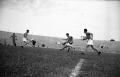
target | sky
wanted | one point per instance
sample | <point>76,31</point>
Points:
<point>58,17</point>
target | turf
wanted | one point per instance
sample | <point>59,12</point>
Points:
<point>46,62</point>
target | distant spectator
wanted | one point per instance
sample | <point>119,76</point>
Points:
<point>14,38</point>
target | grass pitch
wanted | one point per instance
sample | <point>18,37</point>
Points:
<point>46,62</point>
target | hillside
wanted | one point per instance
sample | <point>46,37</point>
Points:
<point>51,42</point>
<point>48,41</point>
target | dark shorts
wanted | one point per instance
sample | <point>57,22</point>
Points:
<point>33,42</point>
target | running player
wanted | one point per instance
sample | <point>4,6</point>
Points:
<point>68,43</point>
<point>25,37</point>
<point>14,38</point>
<point>89,38</point>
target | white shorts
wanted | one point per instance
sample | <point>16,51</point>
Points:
<point>89,42</point>
<point>24,39</point>
<point>67,44</point>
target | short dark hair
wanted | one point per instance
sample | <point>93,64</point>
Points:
<point>85,30</point>
<point>27,30</point>
<point>67,33</point>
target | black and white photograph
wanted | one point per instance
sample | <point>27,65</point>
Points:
<point>59,38</point>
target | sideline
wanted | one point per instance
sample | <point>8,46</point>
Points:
<point>77,69</point>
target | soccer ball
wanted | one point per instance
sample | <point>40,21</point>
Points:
<point>58,43</point>
<point>102,46</point>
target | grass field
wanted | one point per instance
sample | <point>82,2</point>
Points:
<point>46,62</point>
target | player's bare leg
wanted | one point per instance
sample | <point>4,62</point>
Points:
<point>14,43</point>
<point>64,47</point>
<point>25,43</point>
<point>69,47</point>
<point>87,48</point>
<point>95,49</point>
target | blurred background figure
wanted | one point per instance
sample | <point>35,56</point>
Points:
<point>33,42</point>
<point>14,38</point>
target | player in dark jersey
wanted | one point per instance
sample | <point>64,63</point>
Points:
<point>89,38</point>
<point>14,38</point>
<point>33,42</point>
<point>68,43</point>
